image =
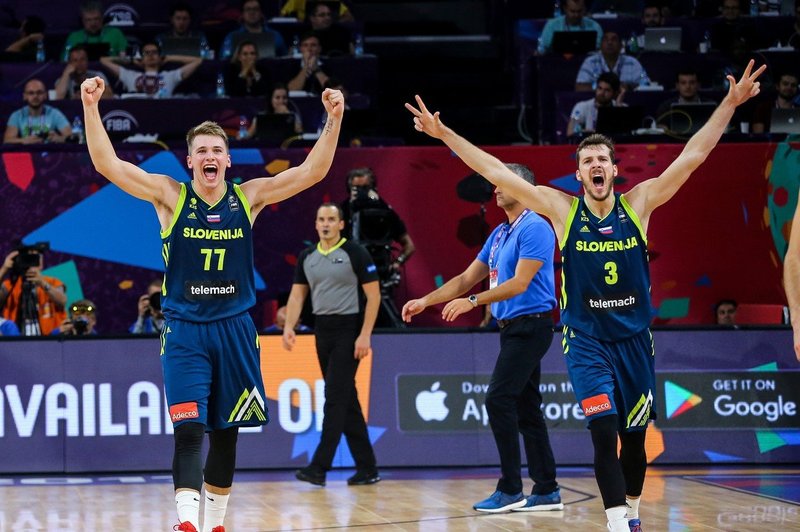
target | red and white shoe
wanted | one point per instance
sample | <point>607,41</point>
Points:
<point>186,526</point>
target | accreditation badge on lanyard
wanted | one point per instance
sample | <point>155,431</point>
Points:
<point>506,230</point>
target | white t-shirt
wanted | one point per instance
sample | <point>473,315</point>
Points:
<point>150,83</point>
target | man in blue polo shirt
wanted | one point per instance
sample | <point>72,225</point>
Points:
<point>518,259</point>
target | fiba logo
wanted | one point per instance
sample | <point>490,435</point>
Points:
<point>119,121</point>
<point>121,15</point>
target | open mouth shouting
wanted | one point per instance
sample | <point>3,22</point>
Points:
<point>210,171</point>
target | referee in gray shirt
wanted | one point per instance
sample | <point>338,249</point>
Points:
<point>340,275</point>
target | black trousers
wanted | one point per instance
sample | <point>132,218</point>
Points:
<point>513,403</point>
<point>335,339</point>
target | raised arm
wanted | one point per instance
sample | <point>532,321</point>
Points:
<point>189,62</point>
<point>158,189</point>
<point>111,65</point>
<point>648,195</point>
<point>267,190</point>
<point>791,278</point>
<point>547,201</point>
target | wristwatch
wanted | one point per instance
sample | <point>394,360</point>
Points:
<point>473,299</point>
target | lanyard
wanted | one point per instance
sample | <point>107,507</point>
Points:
<point>502,232</point>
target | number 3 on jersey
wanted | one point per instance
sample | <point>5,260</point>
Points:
<point>207,253</point>
<point>612,277</point>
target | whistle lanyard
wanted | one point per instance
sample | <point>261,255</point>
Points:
<point>501,233</point>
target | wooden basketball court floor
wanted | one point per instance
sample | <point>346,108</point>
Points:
<point>676,499</point>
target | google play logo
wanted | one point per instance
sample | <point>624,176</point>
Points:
<point>679,399</point>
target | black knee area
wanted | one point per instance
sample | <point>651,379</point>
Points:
<point>633,458</point>
<point>221,461</point>
<point>607,469</point>
<point>187,464</point>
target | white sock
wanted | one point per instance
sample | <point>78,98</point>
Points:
<point>214,512</point>
<point>633,507</point>
<point>188,503</point>
<point>616,519</point>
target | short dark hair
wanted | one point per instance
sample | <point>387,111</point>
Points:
<point>595,139</point>
<point>791,74</point>
<point>180,6</point>
<point>152,42</point>
<point>308,35</point>
<point>725,302</point>
<point>80,47</point>
<point>243,2</point>
<point>33,24</point>
<point>610,78</point>
<point>335,206</point>
<point>362,171</point>
<point>523,171</point>
<point>686,71</point>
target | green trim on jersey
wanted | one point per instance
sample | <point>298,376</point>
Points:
<point>239,192</point>
<point>573,209</point>
<point>176,212</point>
<point>334,248</point>
<point>210,206</point>
<point>633,216</point>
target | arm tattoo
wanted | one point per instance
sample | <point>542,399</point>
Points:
<point>329,126</point>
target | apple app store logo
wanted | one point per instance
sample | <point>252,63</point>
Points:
<point>430,405</point>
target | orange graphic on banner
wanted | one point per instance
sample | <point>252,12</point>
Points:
<point>278,365</point>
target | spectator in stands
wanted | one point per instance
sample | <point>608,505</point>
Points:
<point>688,87</point>
<point>628,69</point>
<point>297,9</point>
<point>150,320</point>
<point>8,328</point>
<point>252,22</point>
<point>95,32</point>
<point>690,8</point>
<point>242,76</point>
<point>82,320</point>
<point>68,85</point>
<point>31,33</point>
<point>608,93</point>
<point>334,38</point>
<point>278,104</point>
<point>573,19</point>
<point>36,122</point>
<point>652,17</point>
<point>152,79</point>
<point>792,38</point>
<point>180,21</point>
<point>725,312</point>
<point>733,27</point>
<point>784,98</point>
<point>33,301</point>
<point>280,321</point>
<point>311,77</point>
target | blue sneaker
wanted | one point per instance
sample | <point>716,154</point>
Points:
<point>635,525</point>
<point>541,503</point>
<point>500,502</point>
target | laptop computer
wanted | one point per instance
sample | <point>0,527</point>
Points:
<point>687,118</point>
<point>662,39</point>
<point>265,43</point>
<point>621,120</point>
<point>273,129</point>
<point>181,46</point>
<point>574,42</point>
<point>96,50</point>
<point>785,121</point>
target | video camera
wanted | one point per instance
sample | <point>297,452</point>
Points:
<point>29,256</point>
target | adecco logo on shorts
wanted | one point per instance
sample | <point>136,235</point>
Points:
<point>740,400</point>
<point>119,121</point>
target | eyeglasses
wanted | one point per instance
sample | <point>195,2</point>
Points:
<point>150,52</point>
<point>82,309</point>
<point>323,14</point>
<point>34,93</point>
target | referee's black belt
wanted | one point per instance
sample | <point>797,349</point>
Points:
<point>535,316</point>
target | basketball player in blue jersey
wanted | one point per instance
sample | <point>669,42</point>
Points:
<point>209,344</point>
<point>605,297</point>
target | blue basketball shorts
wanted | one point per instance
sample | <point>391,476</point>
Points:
<point>212,373</point>
<point>613,377</point>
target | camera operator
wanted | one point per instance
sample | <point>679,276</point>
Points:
<point>33,301</point>
<point>82,319</point>
<point>372,222</point>
<point>150,319</point>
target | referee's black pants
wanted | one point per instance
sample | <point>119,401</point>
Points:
<point>335,338</point>
<point>513,403</point>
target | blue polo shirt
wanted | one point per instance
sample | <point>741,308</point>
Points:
<point>531,238</point>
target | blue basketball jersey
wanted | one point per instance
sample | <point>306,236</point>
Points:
<point>605,277</point>
<point>208,254</point>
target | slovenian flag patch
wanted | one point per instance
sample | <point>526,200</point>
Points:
<point>213,218</point>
